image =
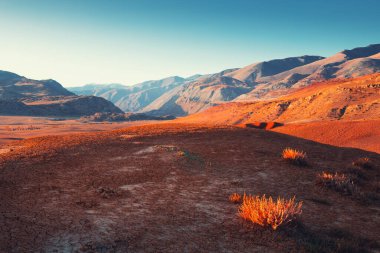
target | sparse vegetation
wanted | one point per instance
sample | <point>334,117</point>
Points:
<point>267,212</point>
<point>363,162</point>
<point>107,192</point>
<point>330,240</point>
<point>190,156</point>
<point>166,147</point>
<point>235,197</point>
<point>21,128</point>
<point>294,156</point>
<point>181,153</point>
<point>357,173</point>
<point>339,182</point>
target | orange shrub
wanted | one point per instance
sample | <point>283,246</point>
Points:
<point>338,182</point>
<point>294,156</point>
<point>235,197</point>
<point>267,212</point>
<point>363,162</point>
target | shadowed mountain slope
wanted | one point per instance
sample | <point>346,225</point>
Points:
<point>23,96</point>
<point>13,86</point>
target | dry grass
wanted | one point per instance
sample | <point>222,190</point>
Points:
<point>339,182</point>
<point>267,212</point>
<point>181,153</point>
<point>235,198</point>
<point>294,156</point>
<point>22,128</point>
<point>363,162</point>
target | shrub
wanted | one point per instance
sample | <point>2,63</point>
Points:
<point>107,192</point>
<point>181,153</point>
<point>338,182</point>
<point>267,212</point>
<point>363,162</point>
<point>235,198</point>
<point>356,173</point>
<point>167,147</point>
<point>294,156</point>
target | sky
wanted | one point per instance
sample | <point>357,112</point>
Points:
<point>77,42</point>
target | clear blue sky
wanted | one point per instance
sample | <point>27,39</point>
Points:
<point>124,41</point>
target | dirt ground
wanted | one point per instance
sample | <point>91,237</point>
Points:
<point>363,134</point>
<point>21,127</point>
<point>165,188</point>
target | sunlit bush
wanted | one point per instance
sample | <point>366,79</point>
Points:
<point>235,198</point>
<point>339,182</point>
<point>363,162</point>
<point>294,156</point>
<point>268,212</point>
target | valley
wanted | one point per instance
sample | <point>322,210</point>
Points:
<point>278,156</point>
<point>165,188</point>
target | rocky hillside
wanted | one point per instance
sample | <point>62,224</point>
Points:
<point>195,96</point>
<point>23,96</point>
<point>266,80</point>
<point>351,99</point>
<point>345,64</point>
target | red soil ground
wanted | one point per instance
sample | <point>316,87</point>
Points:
<point>165,188</point>
<point>364,134</point>
<point>21,127</point>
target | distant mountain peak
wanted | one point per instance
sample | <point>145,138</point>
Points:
<point>361,52</point>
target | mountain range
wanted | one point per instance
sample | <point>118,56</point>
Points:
<point>349,99</point>
<point>179,96</point>
<point>259,81</point>
<point>22,96</point>
<point>133,98</point>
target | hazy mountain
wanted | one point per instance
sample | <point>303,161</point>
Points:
<point>23,96</point>
<point>94,89</point>
<point>253,73</point>
<point>136,97</point>
<point>210,90</point>
<point>198,95</point>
